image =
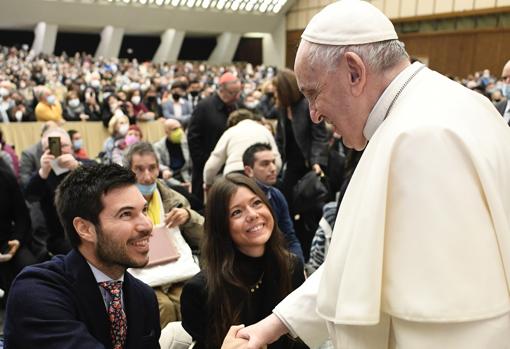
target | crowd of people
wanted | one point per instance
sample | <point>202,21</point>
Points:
<point>247,181</point>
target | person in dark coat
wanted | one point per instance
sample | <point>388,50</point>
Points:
<point>86,299</point>
<point>207,123</point>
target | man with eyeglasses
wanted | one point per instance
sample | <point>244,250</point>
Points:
<point>208,121</point>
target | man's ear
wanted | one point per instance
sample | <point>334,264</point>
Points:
<point>248,171</point>
<point>357,73</point>
<point>85,229</point>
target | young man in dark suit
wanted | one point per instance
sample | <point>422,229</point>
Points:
<point>86,299</point>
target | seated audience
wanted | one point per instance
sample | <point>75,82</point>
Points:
<point>48,108</point>
<point>259,162</point>
<point>243,130</point>
<point>246,269</point>
<point>86,299</point>
<point>74,110</point>
<point>165,206</point>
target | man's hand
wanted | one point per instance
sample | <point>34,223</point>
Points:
<point>231,342</point>
<point>166,174</point>
<point>176,217</point>
<point>263,332</point>
<point>46,160</point>
<point>13,248</point>
<point>67,161</point>
<point>317,168</point>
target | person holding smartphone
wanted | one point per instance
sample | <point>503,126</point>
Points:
<point>57,161</point>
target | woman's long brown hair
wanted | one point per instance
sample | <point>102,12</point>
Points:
<point>224,286</point>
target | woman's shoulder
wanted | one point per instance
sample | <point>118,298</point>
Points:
<point>196,284</point>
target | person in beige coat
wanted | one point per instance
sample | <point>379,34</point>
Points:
<point>420,254</point>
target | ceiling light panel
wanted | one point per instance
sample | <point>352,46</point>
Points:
<point>268,7</point>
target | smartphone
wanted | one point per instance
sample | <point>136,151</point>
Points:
<point>54,145</point>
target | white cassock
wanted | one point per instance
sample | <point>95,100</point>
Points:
<point>420,254</point>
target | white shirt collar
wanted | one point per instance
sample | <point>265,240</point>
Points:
<point>102,277</point>
<point>381,108</point>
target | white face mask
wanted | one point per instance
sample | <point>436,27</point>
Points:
<point>4,92</point>
<point>51,99</point>
<point>74,103</point>
<point>136,99</point>
<point>18,115</point>
<point>123,129</point>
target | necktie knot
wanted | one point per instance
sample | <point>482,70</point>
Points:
<point>113,287</point>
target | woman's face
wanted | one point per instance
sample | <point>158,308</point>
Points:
<point>250,222</point>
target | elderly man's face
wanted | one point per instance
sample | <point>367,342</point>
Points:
<point>329,95</point>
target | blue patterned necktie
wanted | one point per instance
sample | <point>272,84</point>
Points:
<point>116,313</point>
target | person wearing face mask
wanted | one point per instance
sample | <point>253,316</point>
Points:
<point>74,109</point>
<point>173,154</point>
<point>167,207</point>
<point>5,101</point>
<point>194,93</point>
<point>267,101</point>
<point>504,106</point>
<point>140,110</point>
<point>48,108</point>
<point>79,151</point>
<point>19,112</point>
<point>133,135</point>
<point>114,145</point>
<point>176,107</point>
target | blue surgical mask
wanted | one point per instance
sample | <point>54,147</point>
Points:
<point>77,144</point>
<point>146,189</point>
<point>51,99</point>
<point>506,90</point>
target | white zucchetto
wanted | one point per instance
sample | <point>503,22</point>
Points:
<point>349,22</point>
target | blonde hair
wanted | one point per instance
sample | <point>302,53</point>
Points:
<point>113,122</point>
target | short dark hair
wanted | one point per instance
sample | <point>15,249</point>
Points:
<point>249,153</point>
<point>80,194</point>
<point>140,148</point>
<point>71,133</point>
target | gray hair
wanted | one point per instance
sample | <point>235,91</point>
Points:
<point>140,148</point>
<point>378,56</point>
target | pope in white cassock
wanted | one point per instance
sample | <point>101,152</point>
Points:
<point>420,255</point>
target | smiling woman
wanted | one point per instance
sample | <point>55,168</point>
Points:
<point>247,270</point>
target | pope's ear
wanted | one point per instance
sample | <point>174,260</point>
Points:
<point>357,73</point>
<point>85,229</point>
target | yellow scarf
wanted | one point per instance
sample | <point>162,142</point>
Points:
<point>154,211</point>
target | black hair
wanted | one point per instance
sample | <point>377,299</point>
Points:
<point>249,153</point>
<point>80,194</point>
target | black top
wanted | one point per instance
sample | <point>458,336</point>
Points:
<point>14,215</point>
<point>196,317</point>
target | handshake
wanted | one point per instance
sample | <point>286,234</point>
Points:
<point>256,336</point>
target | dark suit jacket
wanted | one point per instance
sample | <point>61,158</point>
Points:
<point>501,106</point>
<point>311,138</point>
<point>58,304</point>
<point>30,162</point>
<point>207,123</point>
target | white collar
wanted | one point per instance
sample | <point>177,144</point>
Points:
<point>381,108</point>
<point>100,276</point>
